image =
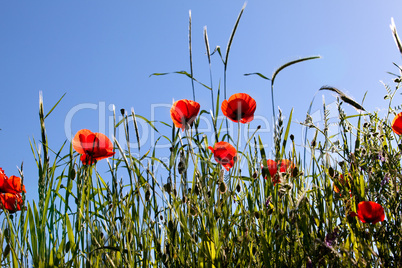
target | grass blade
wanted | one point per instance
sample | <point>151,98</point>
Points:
<point>232,35</point>
<point>289,64</point>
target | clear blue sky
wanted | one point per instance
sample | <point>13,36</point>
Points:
<point>102,53</point>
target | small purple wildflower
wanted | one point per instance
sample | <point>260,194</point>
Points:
<point>331,237</point>
<point>385,180</point>
<point>267,202</point>
<point>381,157</point>
<point>309,264</point>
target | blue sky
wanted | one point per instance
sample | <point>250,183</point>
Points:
<point>102,53</point>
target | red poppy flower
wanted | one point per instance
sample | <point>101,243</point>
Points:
<point>11,202</point>
<point>397,124</point>
<point>10,192</point>
<point>92,146</point>
<point>285,164</point>
<point>225,154</point>
<point>11,185</point>
<point>369,211</point>
<point>273,168</point>
<point>239,107</point>
<point>184,112</point>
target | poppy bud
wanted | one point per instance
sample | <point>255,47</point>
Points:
<point>170,225</point>
<point>222,187</point>
<point>72,174</point>
<point>147,195</point>
<point>269,212</point>
<point>313,143</point>
<point>182,164</point>
<point>295,172</point>
<point>292,137</point>
<point>181,167</point>
<point>238,188</point>
<point>161,217</point>
<point>331,172</point>
<point>167,187</point>
<point>123,112</point>
<point>255,174</point>
<point>256,215</point>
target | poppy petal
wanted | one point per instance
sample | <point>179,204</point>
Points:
<point>11,202</point>
<point>397,124</point>
<point>82,134</point>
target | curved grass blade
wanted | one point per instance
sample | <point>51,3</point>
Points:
<point>289,64</point>
<point>182,72</point>
<point>343,97</point>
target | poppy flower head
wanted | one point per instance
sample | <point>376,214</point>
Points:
<point>224,153</point>
<point>239,107</point>
<point>285,164</point>
<point>272,165</point>
<point>369,211</point>
<point>272,169</point>
<point>10,192</point>
<point>11,185</point>
<point>397,124</point>
<point>184,112</point>
<point>92,146</point>
<point>11,202</point>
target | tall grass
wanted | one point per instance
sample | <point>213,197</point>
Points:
<point>199,215</point>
